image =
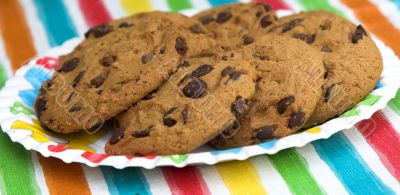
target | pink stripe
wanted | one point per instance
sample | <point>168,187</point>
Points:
<point>275,4</point>
<point>384,139</point>
<point>94,12</point>
<point>186,180</point>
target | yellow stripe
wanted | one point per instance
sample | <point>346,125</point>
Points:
<point>240,177</point>
<point>136,6</point>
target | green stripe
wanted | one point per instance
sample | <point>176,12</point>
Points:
<point>370,100</point>
<point>394,104</point>
<point>320,4</point>
<point>17,175</point>
<point>293,169</point>
<point>3,76</point>
<point>177,5</point>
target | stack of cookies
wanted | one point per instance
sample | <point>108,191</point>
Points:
<point>230,76</point>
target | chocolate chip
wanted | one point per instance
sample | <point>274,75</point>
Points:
<point>107,60</point>
<point>202,70</point>
<point>124,24</point>
<point>75,109</point>
<point>170,111</point>
<point>150,95</point>
<point>162,50</point>
<point>247,39</point>
<point>206,19</point>
<point>118,134</point>
<point>223,17</point>
<point>265,133</point>
<point>78,78</point>
<point>326,48</point>
<point>265,21</point>
<point>169,122</point>
<point>181,46</point>
<point>184,64</point>
<point>147,58</point>
<point>99,80</point>
<point>226,71</point>
<point>100,30</point>
<point>326,71</point>
<point>296,119</point>
<point>196,28</point>
<point>328,92</point>
<point>284,103</point>
<point>258,14</point>
<point>40,105</point>
<point>358,34</point>
<point>142,133</point>
<point>308,38</point>
<point>195,89</point>
<point>290,25</point>
<point>185,114</point>
<point>235,75</point>
<point>231,129</point>
<point>240,106</point>
<point>69,65</point>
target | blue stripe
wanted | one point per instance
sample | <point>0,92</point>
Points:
<point>349,167</point>
<point>126,181</point>
<point>221,2</point>
<point>397,2</point>
<point>56,21</point>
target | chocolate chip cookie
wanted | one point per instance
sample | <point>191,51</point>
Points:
<point>205,95</point>
<point>352,61</point>
<point>117,65</point>
<point>290,76</point>
<point>231,24</point>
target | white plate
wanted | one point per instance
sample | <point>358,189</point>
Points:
<point>18,120</point>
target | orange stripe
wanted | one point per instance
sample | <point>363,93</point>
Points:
<point>376,22</point>
<point>63,178</point>
<point>17,38</point>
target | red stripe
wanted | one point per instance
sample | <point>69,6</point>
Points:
<point>94,12</point>
<point>275,4</point>
<point>384,139</point>
<point>186,180</point>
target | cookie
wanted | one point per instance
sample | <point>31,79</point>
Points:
<point>353,62</point>
<point>115,66</point>
<point>203,97</point>
<point>290,76</point>
<point>231,24</point>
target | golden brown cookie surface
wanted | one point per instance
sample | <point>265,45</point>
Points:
<point>117,65</point>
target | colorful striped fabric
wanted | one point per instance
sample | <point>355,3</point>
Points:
<point>364,159</point>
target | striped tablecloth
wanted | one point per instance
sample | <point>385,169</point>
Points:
<point>362,160</point>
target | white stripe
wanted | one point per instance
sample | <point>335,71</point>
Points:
<point>269,176</point>
<point>39,175</point>
<point>114,8</point>
<point>160,5</point>
<point>36,27</point>
<point>371,158</point>
<point>388,9</point>
<point>346,10</point>
<point>392,116</point>
<point>294,5</point>
<point>76,16</point>
<point>213,179</point>
<point>156,181</point>
<point>95,180</point>
<point>321,171</point>
<point>4,60</point>
<point>200,4</point>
